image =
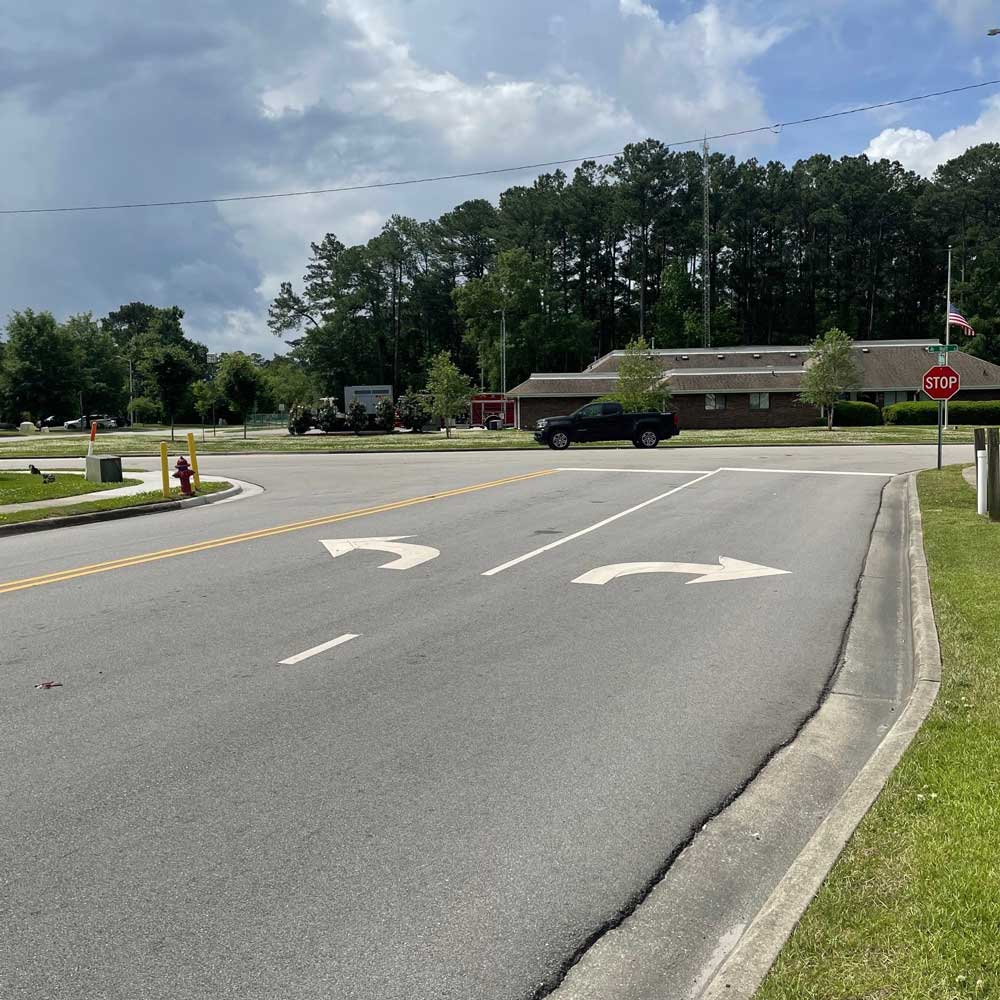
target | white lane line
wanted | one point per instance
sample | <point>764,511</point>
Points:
<point>810,472</point>
<point>655,472</point>
<point>339,641</point>
<point>594,527</point>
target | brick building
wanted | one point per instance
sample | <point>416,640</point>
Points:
<point>754,386</point>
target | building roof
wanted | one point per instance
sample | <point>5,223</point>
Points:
<point>898,369</point>
<point>735,381</point>
<point>884,365</point>
<point>548,384</point>
<point>739,357</point>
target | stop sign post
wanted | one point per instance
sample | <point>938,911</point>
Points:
<point>941,383</point>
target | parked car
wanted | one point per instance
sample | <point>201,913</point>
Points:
<point>50,422</point>
<point>85,423</point>
<point>606,422</point>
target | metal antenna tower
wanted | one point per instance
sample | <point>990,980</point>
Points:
<point>706,254</point>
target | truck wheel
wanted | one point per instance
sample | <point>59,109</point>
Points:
<point>648,438</point>
<point>559,441</point>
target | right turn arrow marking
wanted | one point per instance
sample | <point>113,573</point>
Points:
<point>725,569</point>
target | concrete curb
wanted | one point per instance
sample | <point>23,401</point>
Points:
<point>71,520</point>
<point>742,972</point>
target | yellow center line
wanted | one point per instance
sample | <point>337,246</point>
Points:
<point>248,536</point>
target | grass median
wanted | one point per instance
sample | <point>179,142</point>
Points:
<point>911,911</point>
<point>22,487</point>
<point>133,443</point>
<point>151,499</point>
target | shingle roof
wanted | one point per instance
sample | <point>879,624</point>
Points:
<point>757,381</point>
<point>883,365</point>
<point>565,385</point>
<point>722,357</point>
<point>896,368</point>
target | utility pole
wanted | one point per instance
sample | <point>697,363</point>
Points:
<point>706,253</point>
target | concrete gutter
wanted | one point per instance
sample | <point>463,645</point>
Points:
<point>48,524</point>
<point>716,918</point>
<point>747,964</point>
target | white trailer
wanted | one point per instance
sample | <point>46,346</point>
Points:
<point>367,395</point>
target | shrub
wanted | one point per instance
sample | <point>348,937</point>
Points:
<point>961,411</point>
<point>413,411</point>
<point>331,419</point>
<point>300,419</point>
<point>849,413</point>
<point>385,415</point>
<point>357,416</point>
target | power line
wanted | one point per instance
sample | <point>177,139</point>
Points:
<point>777,126</point>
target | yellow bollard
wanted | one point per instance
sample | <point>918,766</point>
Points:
<point>163,468</point>
<point>194,460</point>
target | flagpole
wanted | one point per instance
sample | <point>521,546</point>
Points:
<point>947,327</point>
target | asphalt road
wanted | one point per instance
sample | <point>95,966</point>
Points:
<point>448,805</point>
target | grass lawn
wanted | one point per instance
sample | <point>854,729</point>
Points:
<point>131,443</point>
<point>911,911</point>
<point>22,487</point>
<point>110,503</point>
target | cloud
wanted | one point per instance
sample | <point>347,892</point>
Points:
<point>969,15</point>
<point>920,151</point>
<point>107,100</point>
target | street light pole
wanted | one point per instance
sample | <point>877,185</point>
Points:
<point>503,350</point>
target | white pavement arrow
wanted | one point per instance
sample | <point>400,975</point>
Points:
<point>410,555</point>
<point>726,569</point>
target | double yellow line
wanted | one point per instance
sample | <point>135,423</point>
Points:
<point>249,536</point>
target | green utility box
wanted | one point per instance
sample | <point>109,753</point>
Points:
<point>104,469</point>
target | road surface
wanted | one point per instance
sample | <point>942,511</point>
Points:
<point>277,766</point>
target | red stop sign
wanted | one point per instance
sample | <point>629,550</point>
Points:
<point>941,382</point>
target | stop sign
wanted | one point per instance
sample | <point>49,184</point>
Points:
<point>941,382</point>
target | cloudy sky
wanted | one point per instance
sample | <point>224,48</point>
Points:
<point>140,100</point>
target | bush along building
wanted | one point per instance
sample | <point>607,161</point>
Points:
<point>755,386</point>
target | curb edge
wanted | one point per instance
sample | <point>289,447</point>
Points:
<point>744,969</point>
<point>73,520</point>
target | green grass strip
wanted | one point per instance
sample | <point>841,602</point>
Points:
<point>110,503</point>
<point>911,911</point>
<point>130,443</point>
<point>22,487</point>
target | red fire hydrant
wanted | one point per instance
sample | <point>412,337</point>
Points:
<point>185,475</point>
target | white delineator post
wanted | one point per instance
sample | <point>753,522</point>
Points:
<point>980,482</point>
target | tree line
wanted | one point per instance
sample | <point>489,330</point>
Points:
<point>137,360</point>
<point>575,266</point>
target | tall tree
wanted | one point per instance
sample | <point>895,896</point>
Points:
<point>240,381</point>
<point>41,367</point>
<point>169,371</point>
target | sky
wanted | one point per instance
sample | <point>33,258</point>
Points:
<point>107,101</point>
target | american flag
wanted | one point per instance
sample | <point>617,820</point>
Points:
<point>955,318</point>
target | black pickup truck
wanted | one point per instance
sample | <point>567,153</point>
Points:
<point>606,422</point>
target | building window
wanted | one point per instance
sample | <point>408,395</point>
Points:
<point>715,401</point>
<point>760,401</point>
